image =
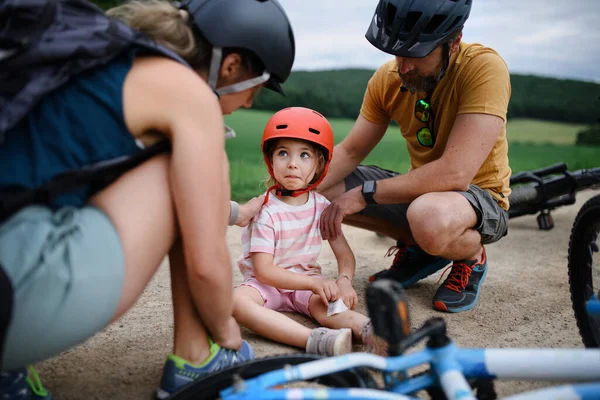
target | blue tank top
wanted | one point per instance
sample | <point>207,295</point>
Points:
<point>79,124</point>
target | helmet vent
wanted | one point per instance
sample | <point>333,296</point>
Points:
<point>411,20</point>
<point>281,127</point>
<point>390,15</point>
<point>434,23</point>
<point>312,130</point>
<point>454,24</point>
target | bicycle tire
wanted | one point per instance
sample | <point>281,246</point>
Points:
<point>584,232</point>
<point>209,387</point>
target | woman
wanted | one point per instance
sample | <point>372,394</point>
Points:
<point>82,261</point>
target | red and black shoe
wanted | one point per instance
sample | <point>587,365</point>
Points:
<point>410,265</point>
<point>460,290</point>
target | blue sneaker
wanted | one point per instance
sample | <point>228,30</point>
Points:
<point>410,265</point>
<point>178,372</point>
<point>22,384</point>
<point>460,290</point>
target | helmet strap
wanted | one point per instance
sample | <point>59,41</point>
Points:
<point>215,65</point>
<point>213,76</point>
<point>446,53</point>
<point>279,191</point>
<point>244,85</point>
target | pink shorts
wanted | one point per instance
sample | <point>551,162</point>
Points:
<point>296,301</point>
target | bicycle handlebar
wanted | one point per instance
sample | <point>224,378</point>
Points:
<point>547,191</point>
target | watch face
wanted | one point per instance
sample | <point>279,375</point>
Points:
<point>369,187</point>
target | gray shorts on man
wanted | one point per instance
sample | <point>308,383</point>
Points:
<point>492,220</point>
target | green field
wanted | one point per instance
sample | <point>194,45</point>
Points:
<point>532,144</point>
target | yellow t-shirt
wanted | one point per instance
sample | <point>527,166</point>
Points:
<point>477,81</point>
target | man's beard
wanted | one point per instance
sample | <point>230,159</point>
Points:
<point>418,83</point>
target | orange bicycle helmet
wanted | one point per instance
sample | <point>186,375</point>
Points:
<point>299,123</point>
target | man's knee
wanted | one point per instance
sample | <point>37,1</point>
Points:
<point>431,222</point>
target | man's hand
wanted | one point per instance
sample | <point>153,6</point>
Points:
<point>348,203</point>
<point>326,289</point>
<point>347,293</point>
<point>249,210</point>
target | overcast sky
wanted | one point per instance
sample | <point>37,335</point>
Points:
<point>543,37</point>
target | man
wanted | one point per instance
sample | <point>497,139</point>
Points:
<point>450,101</point>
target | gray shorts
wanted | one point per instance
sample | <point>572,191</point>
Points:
<point>66,269</point>
<point>492,220</point>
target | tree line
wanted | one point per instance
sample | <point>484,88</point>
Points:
<point>339,93</point>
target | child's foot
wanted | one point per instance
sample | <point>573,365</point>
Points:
<point>329,342</point>
<point>178,372</point>
<point>374,343</point>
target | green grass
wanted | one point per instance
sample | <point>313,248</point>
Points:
<point>535,131</point>
<point>532,144</point>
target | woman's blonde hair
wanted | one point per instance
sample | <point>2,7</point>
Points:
<point>270,147</point>
<point>167,26</point>
<point>172,29</point>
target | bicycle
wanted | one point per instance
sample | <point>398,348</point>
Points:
<point>542,190</point>
<point>584,271</point>
<point>451,372</point>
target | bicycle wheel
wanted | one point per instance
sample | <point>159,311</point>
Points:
<point>208,388</point>
<point>584,268</point>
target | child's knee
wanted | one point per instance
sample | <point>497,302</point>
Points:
<point>239,297</point>
<point>244,295</point>
<point>317,309</point>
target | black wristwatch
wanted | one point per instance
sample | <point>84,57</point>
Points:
<point>368,191</point>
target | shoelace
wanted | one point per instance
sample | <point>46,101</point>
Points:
<point>398,252</point>
<point>459,276</point>
<point>229,358</point>
<point>35,383</point>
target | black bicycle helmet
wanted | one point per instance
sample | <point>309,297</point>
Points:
<point>414,28</point>
<point>260,26</point>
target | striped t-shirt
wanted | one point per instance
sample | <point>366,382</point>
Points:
<point>290,233</point>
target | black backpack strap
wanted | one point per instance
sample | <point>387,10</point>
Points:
<point>6,305</point>
<point>98,176</point>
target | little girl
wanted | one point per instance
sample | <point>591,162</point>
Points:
<point>283,242</point>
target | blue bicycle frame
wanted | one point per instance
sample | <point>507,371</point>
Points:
<point>452,365</point>
<point>450,368</point>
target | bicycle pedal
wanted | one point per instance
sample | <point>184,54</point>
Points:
<point>388,309</point>
<point>545,221</point>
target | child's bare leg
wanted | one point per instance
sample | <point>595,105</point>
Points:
<point>248,310</point>
<point>347,319</point>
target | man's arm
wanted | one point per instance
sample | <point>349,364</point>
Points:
<point>472,138</point>
<point>363,137</point>
<point>470,142</point>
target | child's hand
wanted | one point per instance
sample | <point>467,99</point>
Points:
<point>326,289</point>
<point>347,293</point>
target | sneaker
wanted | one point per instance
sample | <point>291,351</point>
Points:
<point>177,372</point>
<point>22,384</point>
<point>460,290</point>
<point>329,342</point>
<point>374,343</point>
<point>410,265</point>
